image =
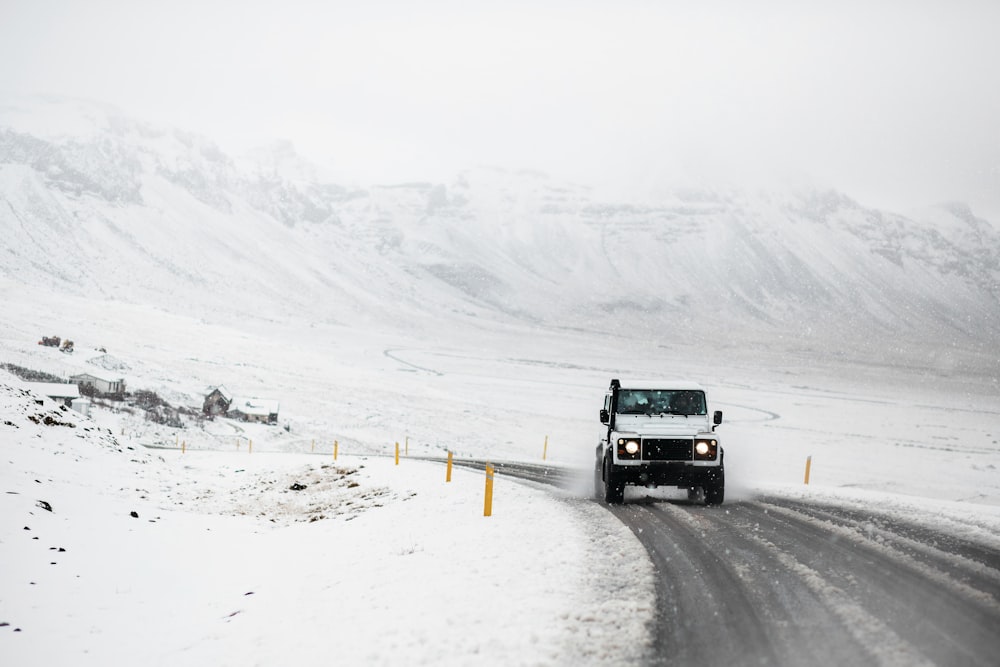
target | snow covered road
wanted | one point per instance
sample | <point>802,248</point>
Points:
<point>789,583</point>
<point>784,580</point>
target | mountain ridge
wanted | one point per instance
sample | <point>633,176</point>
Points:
<point>131,211</point>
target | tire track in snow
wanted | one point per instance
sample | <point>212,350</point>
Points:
<point>765,583</point>
<point>724,598</point>
<point>697,590</point>
<point>941,618</point>
<point>768,415</point>
<point>887,649</point>
<point>969,564</point>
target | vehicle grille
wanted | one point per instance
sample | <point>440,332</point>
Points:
<point>664,449</point>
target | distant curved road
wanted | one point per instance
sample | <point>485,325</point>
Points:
<point>776,581</point>
<point>765,415</point>
<point>391,353</point>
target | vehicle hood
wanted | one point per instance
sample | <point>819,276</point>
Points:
<point>666,425</point>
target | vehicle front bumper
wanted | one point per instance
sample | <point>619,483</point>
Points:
<point>668,473</point>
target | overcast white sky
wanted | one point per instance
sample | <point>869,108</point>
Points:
<point>895,103</point>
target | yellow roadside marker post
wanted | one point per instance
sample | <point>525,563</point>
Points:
<point>545,449</point>
<point>488,503</point>
<point>397,453</point>
<point>809,460</point>
<point>335,445</point>
<point>447,476</point>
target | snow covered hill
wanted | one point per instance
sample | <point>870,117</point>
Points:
<point>112,554</point>
<point>100,206</point>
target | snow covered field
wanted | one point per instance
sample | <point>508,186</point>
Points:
<point>209,558</point>
<point>380,564</point>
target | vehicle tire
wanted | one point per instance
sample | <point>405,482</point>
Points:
<point>715,488</point>
<point>614,488</point>
<point>693,493</point>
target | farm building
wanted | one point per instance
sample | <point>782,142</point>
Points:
<point>101,383</point>
<point>260,410</point>
<point>217,401</point>
<point>58,391</point>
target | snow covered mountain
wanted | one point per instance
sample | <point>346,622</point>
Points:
<point>100,206</point>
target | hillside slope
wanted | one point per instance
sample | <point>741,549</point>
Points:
<point>96,205</point>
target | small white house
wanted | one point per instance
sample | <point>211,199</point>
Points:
<point>102,383</point>
<point>57,391</point>
<point>254,410</point>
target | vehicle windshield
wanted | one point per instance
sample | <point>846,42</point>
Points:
<point>661,401</point>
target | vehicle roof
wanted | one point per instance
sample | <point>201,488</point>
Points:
<point>660,384</point>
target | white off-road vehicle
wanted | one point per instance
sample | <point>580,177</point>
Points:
<point>659,433</point>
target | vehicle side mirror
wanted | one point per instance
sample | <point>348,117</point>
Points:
<point>717,417</point>
<point>605,417</point>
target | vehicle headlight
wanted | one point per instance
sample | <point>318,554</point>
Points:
<point>705,448</point>
<point>629,447</point>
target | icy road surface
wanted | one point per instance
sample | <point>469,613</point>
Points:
<point>782,581</point>
<point>788,583</point>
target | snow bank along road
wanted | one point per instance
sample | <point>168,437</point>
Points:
<point>781,581</point>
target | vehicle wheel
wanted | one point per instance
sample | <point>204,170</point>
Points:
<point>715,489</point>
<point>614,489</point>
<point>693,493</point>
